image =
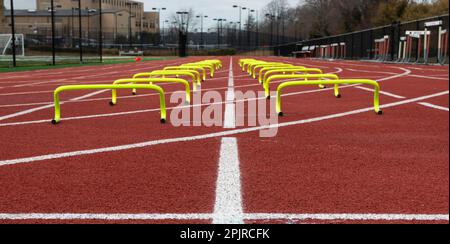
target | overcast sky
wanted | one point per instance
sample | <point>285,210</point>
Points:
<point>212,8</point>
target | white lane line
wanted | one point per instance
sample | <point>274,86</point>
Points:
<point>228,205</point>
<point>75,216</point>
<point>31,110</point>
<point>389,217</point>
<point>207,216</point>
<point>230,117</point>
<point>381,92</point>
<point>24,93</point>
<point>434,106</point>
<point>28,111</point>
<point>207,136</point>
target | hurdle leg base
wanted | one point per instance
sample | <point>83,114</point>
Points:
<point>379,112</point>
<point>111,104</point>
<point>280,114</point>
<point>339,96</point>
<point>134,93</point>
<point>54,122</point>
<point>163,121</point>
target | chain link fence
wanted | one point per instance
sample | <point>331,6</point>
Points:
<point>399,42</point>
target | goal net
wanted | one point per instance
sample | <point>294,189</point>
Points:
<point>6,44</point>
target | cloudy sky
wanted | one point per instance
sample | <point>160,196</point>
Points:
<point>212,8</point>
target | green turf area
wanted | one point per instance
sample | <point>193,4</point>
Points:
<point>29,65</point>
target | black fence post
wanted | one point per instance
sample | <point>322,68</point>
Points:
<point>395,25</point>
<point>52,12</point>
<point>80,32</point>
<point>100,31</point>
<point>13,34</point>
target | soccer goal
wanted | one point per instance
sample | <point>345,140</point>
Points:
<point>6,44</point>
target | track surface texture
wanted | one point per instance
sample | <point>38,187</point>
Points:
<point>332,160</point>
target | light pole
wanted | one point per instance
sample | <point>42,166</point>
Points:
<point>130,5</point>
<point>248,25</point>
<point>230,36</point>
<point>257,27</point>
<point>159,16</point>
<point>163,33</point>
<point>116,32</point>
<point>183,34</point>
<point>201,29</point>
<point>240,20</point>
<point>219,29</point>
<point>89,11</point>
<point>271,17</point>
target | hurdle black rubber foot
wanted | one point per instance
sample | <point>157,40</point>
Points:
<point>163,121</point>
<point>54,122</point>
<point>338,96</point>
<point>134,93</point>
<point>280,114</point>
<point>380,112</point>
<point>111,104</point>
<point>268,97</point>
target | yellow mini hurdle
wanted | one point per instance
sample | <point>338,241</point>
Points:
<point>61,89</point>
<point>209,67</point>
<point>194,75</point>
<point>319,77</point>
<point>151,80</point>
<point>245,65</point>
<point>336,83</point>
<point>216,62</point>
<point>269,76</point>
<point>267,69</point>
<point>262,66</point>
<point>196,68</point>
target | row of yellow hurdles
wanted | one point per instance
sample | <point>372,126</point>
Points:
<point>196,71</point>
<point>267,72</point>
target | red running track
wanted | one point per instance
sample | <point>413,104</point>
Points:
<point>331,162</point>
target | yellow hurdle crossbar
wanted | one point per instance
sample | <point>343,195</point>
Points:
<point>151,80</point>
<point>261,66</point>
<point>336,83</point>
<point>61,89</point>
<point>210,67</point>
<point>263,70</point>
<point>196,68</point>
<point>266,84</point>
<point>252,65</point>
<point>214,64</point>
<point>194,75</point>
<point>246,65</point>
<point>243,61</point>
<point>292,71</point>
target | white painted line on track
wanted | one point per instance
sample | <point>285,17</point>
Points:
<point>434,106</point>
<point>230,117</point>
<point>387,217</point>
<point>211,135</point>
<point>228,204</point>
<point>381,92</point>
<point>208,216</point>
<point>31,110</point>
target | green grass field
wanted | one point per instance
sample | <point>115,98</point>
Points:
<point>37,63</point>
